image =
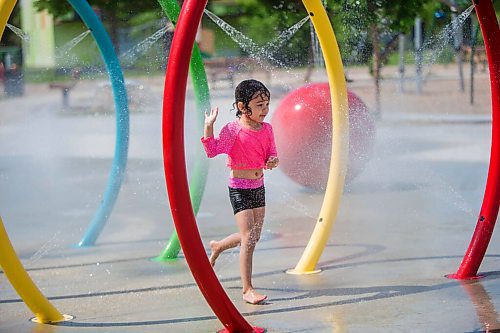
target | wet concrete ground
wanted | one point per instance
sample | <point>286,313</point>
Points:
<point>403,224</point>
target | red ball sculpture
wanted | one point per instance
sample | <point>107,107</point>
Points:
<point>303,133</point>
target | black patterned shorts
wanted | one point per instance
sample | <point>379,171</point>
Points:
<point>247,198</point>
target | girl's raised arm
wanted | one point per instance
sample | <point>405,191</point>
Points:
<point>209,122</point>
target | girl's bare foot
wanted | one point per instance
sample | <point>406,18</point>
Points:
<point>215,252</point>
<point>253,297</point>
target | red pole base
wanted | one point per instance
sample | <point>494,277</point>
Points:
<point>255,329</point>
<point>460,277</point>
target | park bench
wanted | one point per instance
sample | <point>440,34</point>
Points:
<point>66,86</point>
<point>226,68</point>
<point>479,55</point>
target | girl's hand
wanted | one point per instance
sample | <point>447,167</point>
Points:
<point>212,117</point>
<point>272,162</point>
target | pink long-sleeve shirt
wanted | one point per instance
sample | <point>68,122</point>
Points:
<point>245,148</point>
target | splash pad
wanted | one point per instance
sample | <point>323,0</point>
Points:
<point>326,266</point>
<point>491,201</point>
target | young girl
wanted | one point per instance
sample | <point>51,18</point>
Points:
<point>249,143</point>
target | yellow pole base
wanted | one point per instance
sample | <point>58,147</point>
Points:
<point>65,318</point>
<point>44,311</point>
<point>294,271</point>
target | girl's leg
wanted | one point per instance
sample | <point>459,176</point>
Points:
<point>217,247</point>
<point>250,223</point>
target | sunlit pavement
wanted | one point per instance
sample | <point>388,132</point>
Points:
<point>403,223</point>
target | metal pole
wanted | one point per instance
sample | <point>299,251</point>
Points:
<point>457,44</point>
<point>418,53</point>
<point>401,62</point>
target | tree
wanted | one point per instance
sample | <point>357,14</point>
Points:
<point>113,13</point>
<point>380,22</point>
<point>262,20</point>
<point>361,26</point>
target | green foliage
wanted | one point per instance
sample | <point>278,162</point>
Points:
<point>262,21</point>
<point>444,57</point>
<point>395,16</point>
<point>126,19</point>
<point>40,75</point>
<point>57,8</point>
<point>123,10</point>
<point>84,54</point>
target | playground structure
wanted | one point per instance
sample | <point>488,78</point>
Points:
<point>183,199</point>
<point>175,166</point>
<point>491,201</point>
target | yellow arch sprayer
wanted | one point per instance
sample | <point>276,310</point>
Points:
<point>340,139</point>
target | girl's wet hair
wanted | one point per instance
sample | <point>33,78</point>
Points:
<point>246,91</point>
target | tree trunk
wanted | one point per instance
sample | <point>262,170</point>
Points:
<point>112,20</point>
<point>375,35</point>
<point>310,54</point>
<point>475,34</point>
<point>419,54</point>
<point>457,43</point>
<point>401,45</point>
